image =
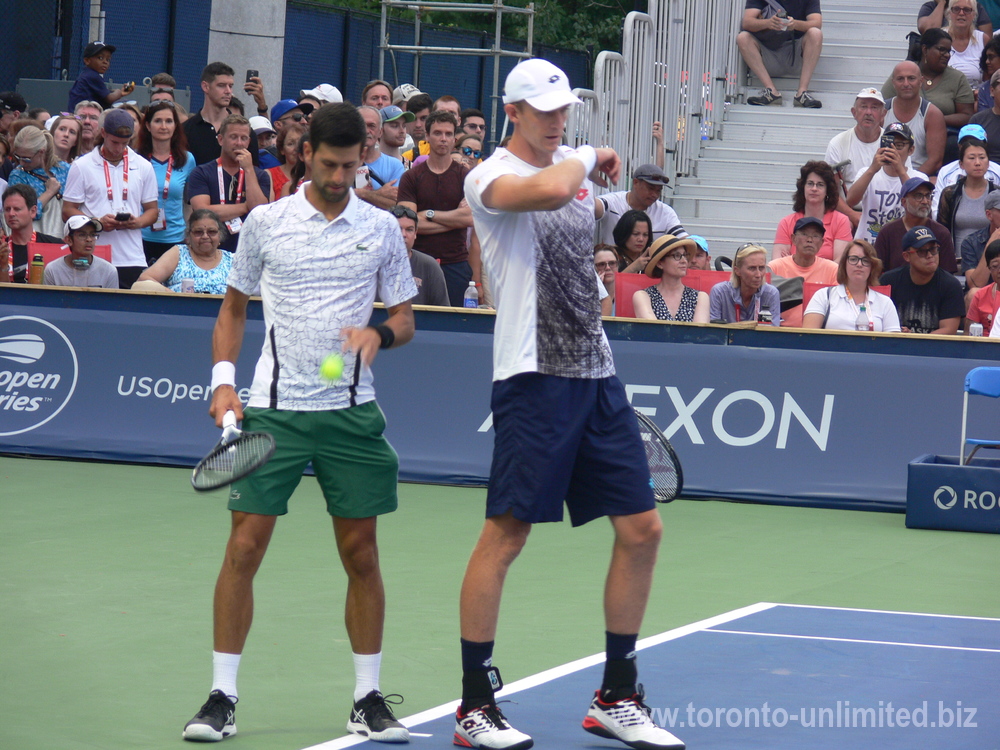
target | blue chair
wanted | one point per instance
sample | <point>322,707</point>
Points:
<point>981,381</point>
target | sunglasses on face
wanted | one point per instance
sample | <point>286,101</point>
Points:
<point>467,150</point>
<point>402,211</point>
<point>298,117</point>
<point>606,264</point>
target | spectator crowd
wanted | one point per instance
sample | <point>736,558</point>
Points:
<point>897,227</point>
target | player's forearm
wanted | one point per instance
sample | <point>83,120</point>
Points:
<point>375,198</point>
<point>227,338</point>
<point>402,324</point>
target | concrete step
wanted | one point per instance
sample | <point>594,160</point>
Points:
<point>740,191</point>
<point>744,114</point>
<point>770,173</point>
<point>726,208</point>
<point>871,31</point>
<point>870,14</point>
<point>767,154</point>
<point>789,132</point>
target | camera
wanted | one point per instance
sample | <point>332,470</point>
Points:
<point>251,74</point>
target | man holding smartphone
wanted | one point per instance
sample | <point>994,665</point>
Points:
<point>119,187</point>
<point>879,187</point>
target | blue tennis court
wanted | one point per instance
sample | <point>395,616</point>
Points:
<point>780,676</point>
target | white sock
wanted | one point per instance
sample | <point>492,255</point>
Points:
<point>366,668</point>
<point>224,669</point>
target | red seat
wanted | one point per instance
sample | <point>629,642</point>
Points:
<point>50,251</point>
<point>626,285</point>
<point>703,281</point>
<point>809,289</point>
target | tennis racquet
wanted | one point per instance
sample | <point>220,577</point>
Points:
<point>664,467</point>
<point>236,455</point>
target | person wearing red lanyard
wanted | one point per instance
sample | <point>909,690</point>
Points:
<point>20,205</point>
<point>986,301</point>
<point>117,186</point>
<point>230,186</point>
<point>853,305</point>
<point>163,142</point>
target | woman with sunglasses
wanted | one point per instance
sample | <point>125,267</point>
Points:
<point>967,41</point>
<point>66,130</point>
<point>838,308</point>
<point>162,140</point>
<point>746,296</point>
<point>468,150</point>
<point>34,153</point>
<point>670,299</point>
<point>199,260</point>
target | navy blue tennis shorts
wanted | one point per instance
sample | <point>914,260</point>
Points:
<point>566,439</point>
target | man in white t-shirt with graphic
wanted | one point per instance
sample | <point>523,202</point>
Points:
<point>878,188</point>
<point>648,182</point>
<point>563,422</point>
<point>116,185</point>
<point>318,258</point>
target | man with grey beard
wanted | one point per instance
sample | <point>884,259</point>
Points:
<point>915,196</point>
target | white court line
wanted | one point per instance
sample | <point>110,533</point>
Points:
<point>447,709</point>
<point>854,640</point>
<point>890,612</point>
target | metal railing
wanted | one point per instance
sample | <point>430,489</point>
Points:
<point>679,65</point>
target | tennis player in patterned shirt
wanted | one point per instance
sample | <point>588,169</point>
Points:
<point>565,430</point>
<point>318,258</point>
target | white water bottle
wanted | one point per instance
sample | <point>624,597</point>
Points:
<point>471,296</point>
<point>861,324</point>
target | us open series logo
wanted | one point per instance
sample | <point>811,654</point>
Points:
<point>38,373</point>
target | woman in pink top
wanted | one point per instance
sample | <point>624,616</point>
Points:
<point>815,195</point>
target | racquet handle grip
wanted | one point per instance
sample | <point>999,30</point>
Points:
<point>229,429</point>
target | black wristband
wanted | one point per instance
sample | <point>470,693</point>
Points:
<point>386,334</point>
<point>261,111</point>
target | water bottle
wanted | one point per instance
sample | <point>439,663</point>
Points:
<point>862,324</point>
<point>471,296</point>
<point>783,15</point>
<point>37,271</point>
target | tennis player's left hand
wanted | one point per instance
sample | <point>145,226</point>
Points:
<point>608,164</point>
<point>362,342</point>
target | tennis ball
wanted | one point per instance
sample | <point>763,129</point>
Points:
<point>332,368</point>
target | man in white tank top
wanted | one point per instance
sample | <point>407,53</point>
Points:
<point>924,119</point>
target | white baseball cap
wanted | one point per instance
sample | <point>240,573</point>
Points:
<point>871,93</point>
<point>260,124</point>
<point>539,83</point>
<point>79,222</point>
<point>324,93</point>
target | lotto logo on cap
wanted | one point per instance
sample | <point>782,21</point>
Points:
<point>539,83</point>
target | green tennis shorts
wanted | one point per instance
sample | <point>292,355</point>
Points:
<point>356,467</point>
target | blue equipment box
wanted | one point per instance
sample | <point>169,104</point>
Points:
<point>940,494</point>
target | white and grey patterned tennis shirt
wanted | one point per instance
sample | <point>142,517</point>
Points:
<point>317,277</point>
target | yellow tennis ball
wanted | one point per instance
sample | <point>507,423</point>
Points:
<point>332,368</point>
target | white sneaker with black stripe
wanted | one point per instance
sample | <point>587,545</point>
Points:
<point>487,727</point>
<point>628,721</point>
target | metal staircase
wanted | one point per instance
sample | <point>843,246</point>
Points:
<point>744,180</point>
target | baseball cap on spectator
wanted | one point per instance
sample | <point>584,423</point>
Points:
<point>325,93</point>
<point>975,131</point>
<point>871,93</point>
<point>404,92</point>
<point>917,238</point>
<point>79,222</point>
<point>285,106</point>
<point>12,102</point>
<point>992,200</point>
<point>260,124</point>
<point>700,241</point>
<point>650,173</point>
<point>95,47</point>
<point>809,221</point>
<point>119,122</point>
<point>539,83</point>
<point>912,184</point>
<point>899,128</point>
<point>392,112</point>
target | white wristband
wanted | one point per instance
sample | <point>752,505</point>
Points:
<point>223,373</point>
<point>587,155</point>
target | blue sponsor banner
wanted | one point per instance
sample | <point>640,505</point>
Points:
<point>940,494</point>
<point>770,415</point>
